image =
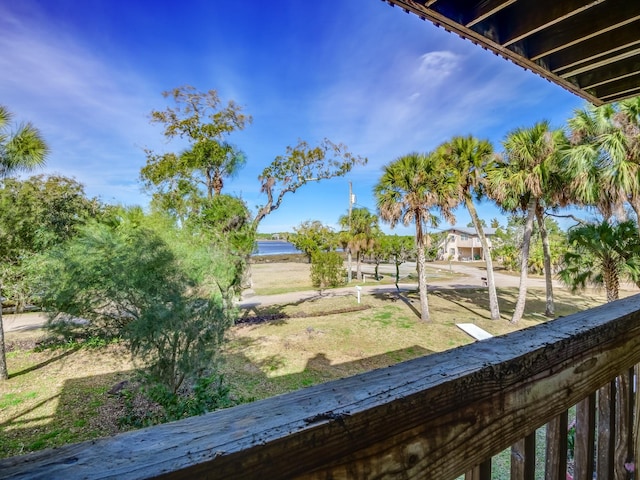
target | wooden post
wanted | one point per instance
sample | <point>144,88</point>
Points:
<point>584,440</point>
<point>624,438</point>
<point>523,458</point>
<point>606,431</point>
<point>556,463</point>
<point>480,472</point>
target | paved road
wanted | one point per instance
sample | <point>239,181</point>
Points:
<point>468,276</point>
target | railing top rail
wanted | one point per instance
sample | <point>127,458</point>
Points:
<point>432,417</point>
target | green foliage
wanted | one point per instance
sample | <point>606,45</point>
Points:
<point>507,242</point>
<point>36,214</point>
<point>40,212</point>
<point>154,403</point>
<point>179,182</point>
<point>22,149</point>
<point>360,233</point>
<point>312,237</point>
<point>302,164</point>
<point>124,279</point>
<point>226,221</point>
<point>327,270</point>
<point>601,254</point>
<point>398,249</point>
<point>557,246</point>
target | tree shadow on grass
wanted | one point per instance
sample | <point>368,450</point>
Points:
<point>476,301</point>
<point>473,300</point>
<point>66,353</point>
<point>260,379</point>
<point>71,413</point>
<point>399,295</point>
<point>277,314</point>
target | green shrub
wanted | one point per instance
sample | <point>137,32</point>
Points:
<point>327,270</point>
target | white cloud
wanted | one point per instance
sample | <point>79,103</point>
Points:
<point>435,67</point>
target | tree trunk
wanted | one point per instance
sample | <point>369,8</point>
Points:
<point>422,275</point>
<point>359,265</point>
<point>550,310</point>
<point>524,264</point>
<point>611,280</point>
<point>4,373</point>
<point>491,284</point>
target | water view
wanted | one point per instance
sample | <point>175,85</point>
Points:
<point>275,247</point>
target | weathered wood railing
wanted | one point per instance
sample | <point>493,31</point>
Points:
<point>435,417</point>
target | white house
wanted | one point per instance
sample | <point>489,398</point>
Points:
<point>463,243</point>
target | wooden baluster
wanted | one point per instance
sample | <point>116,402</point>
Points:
<point>584,440</point>
<point>523,458</point>
<point>623,438</point>
<point>606,430</point>
<point>480,472</point>
<point>556,459</point>
<point>636,416</point>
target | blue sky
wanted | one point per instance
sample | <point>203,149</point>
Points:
<point>359,72</point>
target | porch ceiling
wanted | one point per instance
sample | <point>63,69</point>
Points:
<point>590,47</point>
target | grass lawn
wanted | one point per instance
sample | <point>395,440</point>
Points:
<point>60,396</point>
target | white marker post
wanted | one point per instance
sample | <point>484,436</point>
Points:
<point>358,288</point>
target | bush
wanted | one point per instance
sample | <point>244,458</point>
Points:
<point>124,279</point>
<point>327,270</point>
<point>151,403</point>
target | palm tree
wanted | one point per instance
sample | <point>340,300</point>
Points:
<point>603,157</point>
<point>21,150</point>
<point>409,188</point>
<point>470,158</point>
<point>363,229</point>
<point>601,254</point>
<point>521,180</point>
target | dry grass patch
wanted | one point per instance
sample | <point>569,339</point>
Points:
<point>298,349</point>
<point>54,397</point>
<point>274,278</point>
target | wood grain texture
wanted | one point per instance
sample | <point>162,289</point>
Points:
<point>556,457</point>
<point>584,443</point>
<point>433,417</point>
<point>523,458</point>
<point>606,431</point>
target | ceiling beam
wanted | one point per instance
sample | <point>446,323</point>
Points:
<point>594,48</point>
<point>526,18</point>
<point>604,18</point>
<point>487,9</point>
<point>603,62</point>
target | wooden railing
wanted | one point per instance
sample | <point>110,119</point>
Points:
<point>437,417</point>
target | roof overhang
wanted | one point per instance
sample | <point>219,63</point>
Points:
<point>591,48</point>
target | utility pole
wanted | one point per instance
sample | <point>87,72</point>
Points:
<point>348,247</point>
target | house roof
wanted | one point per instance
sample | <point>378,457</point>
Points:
<point>470,231</point>
<point>590,47</point>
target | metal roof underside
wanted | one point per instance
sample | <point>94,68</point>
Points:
<point>591,48</point>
